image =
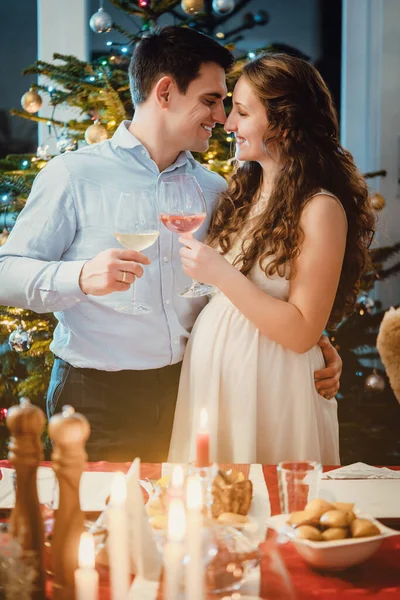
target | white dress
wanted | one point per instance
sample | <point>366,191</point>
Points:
<point>261,399</point>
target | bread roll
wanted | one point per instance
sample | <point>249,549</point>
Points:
<point>307,532</point>
<point>335,518</point>
<point>334,533</point>
<point>318,507</point>
<point>302,517</point>
<point>363,528</point>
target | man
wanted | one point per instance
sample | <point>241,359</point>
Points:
<point>122,371</point>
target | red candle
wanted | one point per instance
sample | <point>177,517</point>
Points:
<point>203,441</point>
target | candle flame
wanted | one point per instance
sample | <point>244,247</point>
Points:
<point>194,494</point>
<point>176,520</point>
<point>177,477</point>
<point>203,419</point>
<point>118,489</point>
<point>86,551</point>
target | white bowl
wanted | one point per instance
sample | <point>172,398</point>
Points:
<point>335,555</point>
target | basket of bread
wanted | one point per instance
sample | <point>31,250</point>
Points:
<point>232,494</point>
<point>332,535</point>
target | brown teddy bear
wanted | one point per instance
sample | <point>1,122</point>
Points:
<point>388,344</point>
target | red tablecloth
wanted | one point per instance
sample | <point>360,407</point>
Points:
<point>285,575</point>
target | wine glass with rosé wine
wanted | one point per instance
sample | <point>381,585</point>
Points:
<point>183,210</point>
<point>136,226</point>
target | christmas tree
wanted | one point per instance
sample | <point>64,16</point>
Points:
<point>100,90</point>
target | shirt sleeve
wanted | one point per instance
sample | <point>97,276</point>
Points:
<point>32,273</point>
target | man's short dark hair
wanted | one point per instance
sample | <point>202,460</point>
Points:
<point>175,51</point>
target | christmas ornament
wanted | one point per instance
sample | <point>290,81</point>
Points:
<point>3,414</point>
<point>20,340</point>
<point>223,7</point>
<point>3,236</point>
<point>192,7</point>
<point>42,153</point>
<point>65,143</point>
<point>31,101</point>
<point>365,303</point>
<point>100,21</point>
<point>95,133</point>
<point>374,382</point>
<point>378,201</point>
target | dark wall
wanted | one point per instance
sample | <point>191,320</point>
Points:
<point>18,49</point>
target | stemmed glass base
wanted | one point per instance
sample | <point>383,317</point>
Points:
<point>136,308</point>
<point>197,290</point>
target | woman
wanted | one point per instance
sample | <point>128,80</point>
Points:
<point>288,244</point>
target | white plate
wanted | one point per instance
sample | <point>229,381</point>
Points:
<point>335,555</point>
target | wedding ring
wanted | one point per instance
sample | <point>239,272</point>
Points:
<point>123,280</point>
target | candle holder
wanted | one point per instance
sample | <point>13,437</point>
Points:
<point>207,476</point>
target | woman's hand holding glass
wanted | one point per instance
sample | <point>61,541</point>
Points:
<point>183,210</point>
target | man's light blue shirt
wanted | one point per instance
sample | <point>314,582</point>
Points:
<point>67,220</point>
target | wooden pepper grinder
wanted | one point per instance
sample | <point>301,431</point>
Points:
<point>26,423</point>
<point>68,431</point>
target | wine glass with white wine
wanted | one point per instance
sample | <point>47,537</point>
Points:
<point>136,226</point>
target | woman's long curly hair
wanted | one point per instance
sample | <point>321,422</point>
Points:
<point>304,125</point>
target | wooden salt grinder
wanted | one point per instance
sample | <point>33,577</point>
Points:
<point>26,423</point>
<point>68,431</point>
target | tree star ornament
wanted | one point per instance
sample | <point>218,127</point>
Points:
<point>192,7</point>
<point>223,7</point>
<point>95,133</point>
<point>20,340</point>
<point>31,101</point>
<point>100,21</point>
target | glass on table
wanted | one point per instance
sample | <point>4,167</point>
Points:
<point>298,483</point>
<point>183,210</point>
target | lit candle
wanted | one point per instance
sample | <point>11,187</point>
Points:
<point>174,549</point>
<point>176,487</point>
<point>118,547</point>
<point>203,441</point>
<point>86,577</point>
<point>194,579</point>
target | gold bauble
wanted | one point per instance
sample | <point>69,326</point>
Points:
<point>31,101</point>
<point>192,7</point>
<point>4,236</point>
<point>378,201</point>
<point>95,133</point>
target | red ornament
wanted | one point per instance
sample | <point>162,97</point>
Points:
<point>3,414</point>
<point>143,3</point>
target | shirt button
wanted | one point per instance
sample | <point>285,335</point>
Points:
<point>176,342</point>
<point>143,152</point>
<point>168,301</point>
<point>77,300</point>
<point>165,259</point>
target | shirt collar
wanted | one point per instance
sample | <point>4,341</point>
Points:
<point>123,138</point>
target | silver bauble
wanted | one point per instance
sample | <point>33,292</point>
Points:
<point>66,143</point>
<point>95,133</point>
<point>100,21</point>
<point>375,383</point>
<point>31,101</point>
<point>192,7</point>
<point>20,340</point>
<point>223,7</point>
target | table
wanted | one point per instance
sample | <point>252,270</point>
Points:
<point>284,574</point>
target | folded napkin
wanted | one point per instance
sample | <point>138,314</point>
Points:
<point>145,556</point>
<point>94,489</point>
<point>361,470</point>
